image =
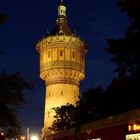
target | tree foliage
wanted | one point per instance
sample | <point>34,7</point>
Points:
<point>124,91</point>
<point>65,117</point>
<point>93,103</point>
<point>11,97</point>
<point>125,51</point>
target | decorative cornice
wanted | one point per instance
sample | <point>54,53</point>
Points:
<point>63,81</point>
<point>62,65</point>
<point>51,41</point>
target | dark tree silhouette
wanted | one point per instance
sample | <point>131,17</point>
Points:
<point>126,51</point>
<point>124,91</point>
<point>93,101</point>
<point>11,97</point>
<point>65,117</point>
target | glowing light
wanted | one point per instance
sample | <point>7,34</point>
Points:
<point>34,137</point>
<point>129,127</point>
<point>134,127</point>
<point>22,137</point>
<point>88,131</point>
<point>2,134</point>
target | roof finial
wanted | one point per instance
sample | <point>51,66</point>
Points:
<point>62,9</point>
<point>48,32</point>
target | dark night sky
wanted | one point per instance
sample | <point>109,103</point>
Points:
<point>28,21</point>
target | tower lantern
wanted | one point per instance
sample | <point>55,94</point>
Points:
<point>61,9</point>
<point>62,63</point>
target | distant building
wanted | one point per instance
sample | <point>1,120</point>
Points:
<point>124,126</point>
<point>62,64</point>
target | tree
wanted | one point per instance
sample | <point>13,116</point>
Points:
<point>11,97</point>
<point>93,100</point>
<point>125,53</point>
<point>65,117</point>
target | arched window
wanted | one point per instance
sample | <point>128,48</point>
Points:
<point>73,54</point>
<point>49,54</point>
<point>61,93</point>
<point>48,114</point>
<point>61,53</point>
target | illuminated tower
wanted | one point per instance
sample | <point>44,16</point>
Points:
<point>62,62</point>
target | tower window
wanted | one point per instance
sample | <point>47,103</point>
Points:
<point>49,54</point>
<point>61,93</point>
<point>61,53</point>
<point>49,94</point>
<point>48,114</point>
<point>74,94</point>
<point>73,54</point>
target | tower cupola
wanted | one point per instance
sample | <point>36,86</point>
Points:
<point>61,9</point>
<point>62,27</point>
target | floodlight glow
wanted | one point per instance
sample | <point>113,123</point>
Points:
<point>34,137</point>
<point>2,133</point>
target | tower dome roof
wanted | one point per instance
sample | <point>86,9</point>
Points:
<point>61,27</point>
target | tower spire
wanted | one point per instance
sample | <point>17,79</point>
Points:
<point>61,27</point>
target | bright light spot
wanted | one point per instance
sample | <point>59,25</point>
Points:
<point>34,137</point>
<point>129,127</point>
<point>134,127</point>
<point>22,137</point>
<point>2,133</point>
